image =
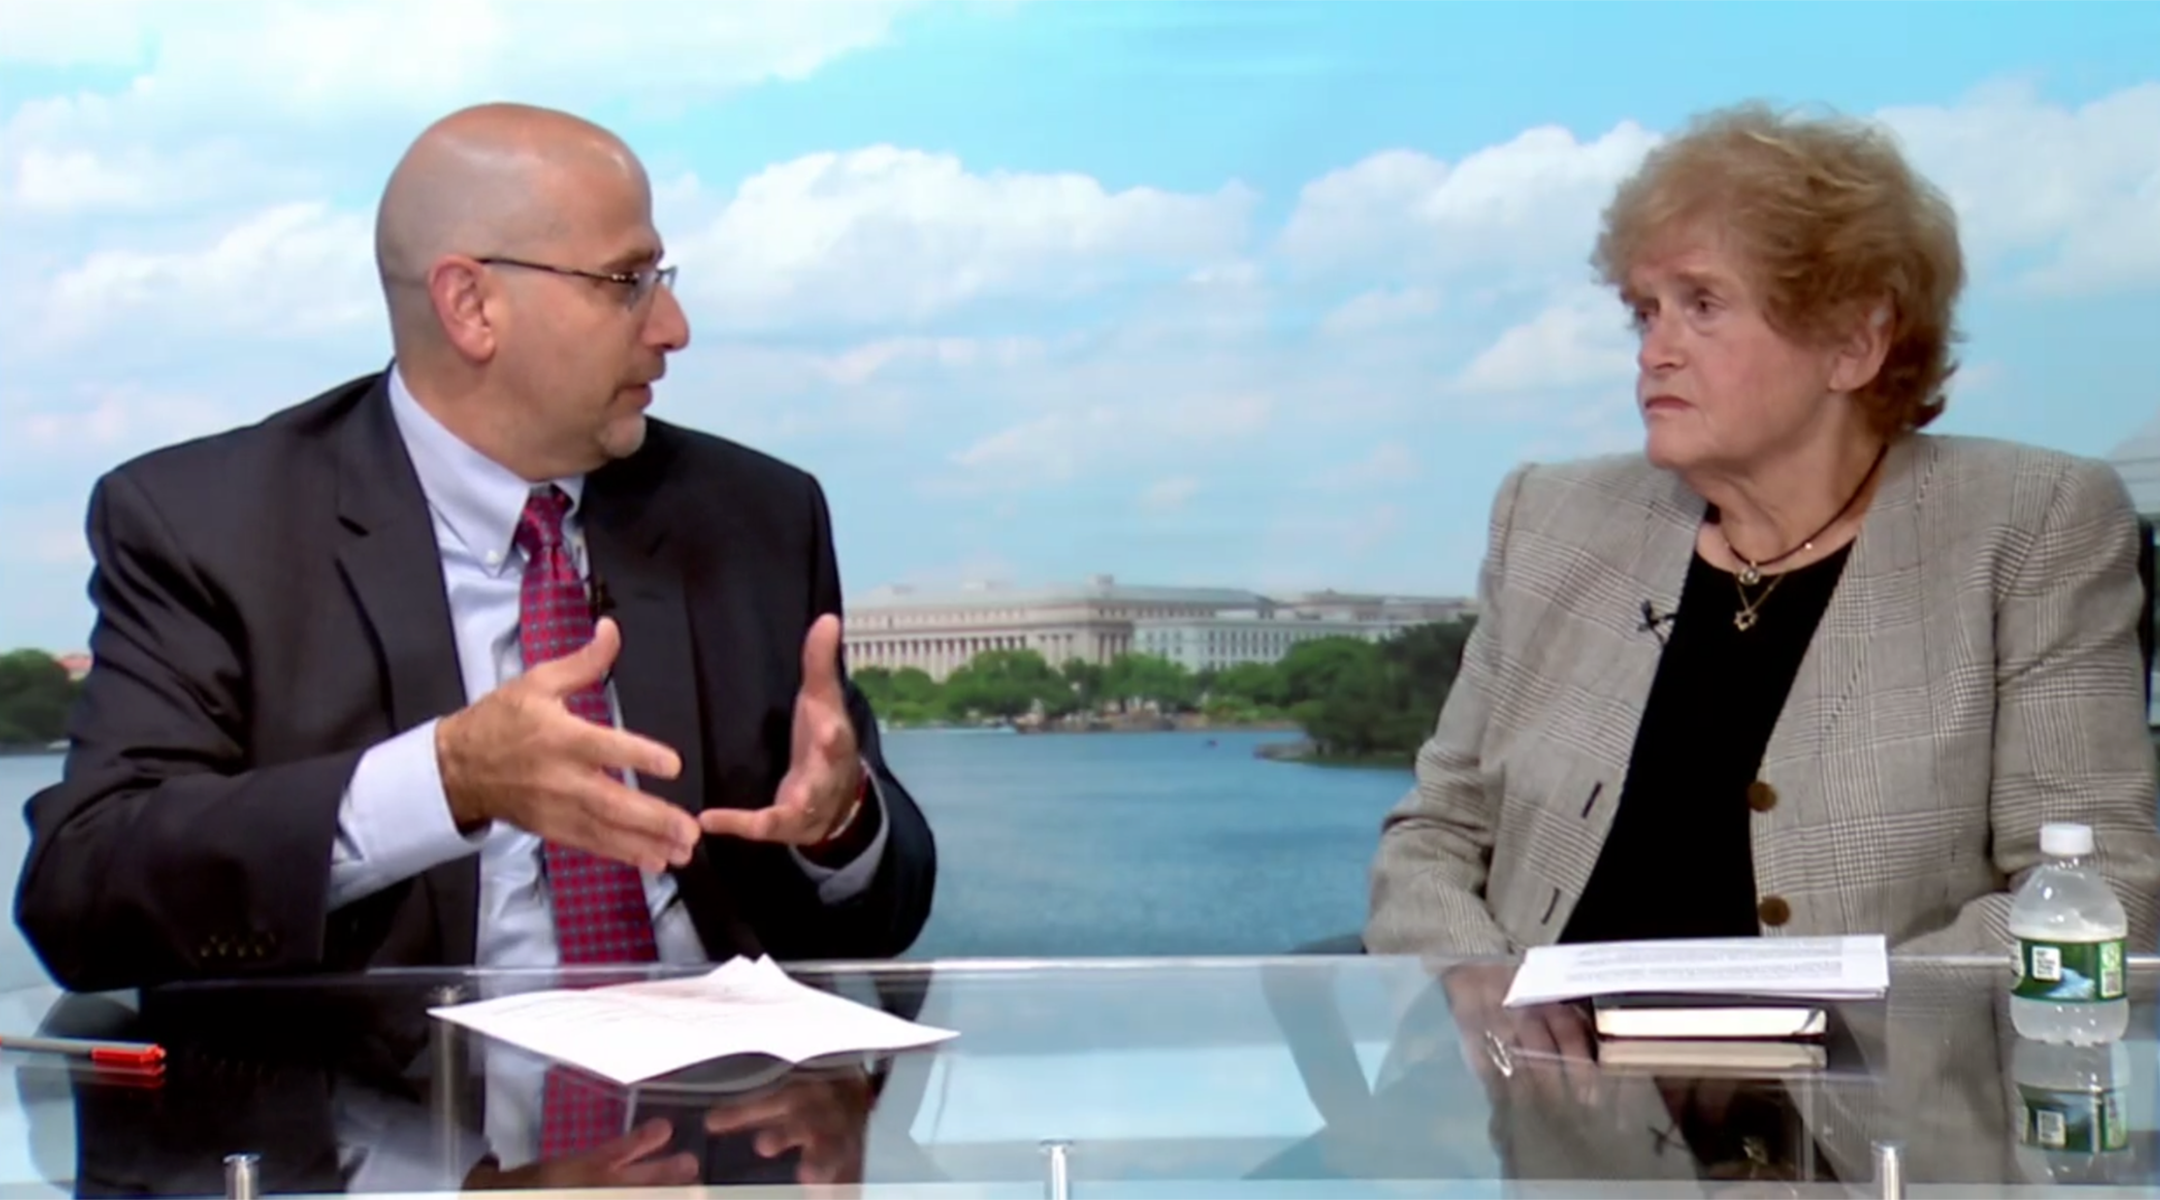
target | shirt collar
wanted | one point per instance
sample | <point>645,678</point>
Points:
<point>477,497</point>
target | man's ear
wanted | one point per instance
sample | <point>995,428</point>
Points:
<point>459,293</point>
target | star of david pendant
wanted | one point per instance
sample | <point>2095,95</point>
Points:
<point>1743,620</point>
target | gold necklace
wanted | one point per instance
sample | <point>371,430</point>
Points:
<point>1744,619</point>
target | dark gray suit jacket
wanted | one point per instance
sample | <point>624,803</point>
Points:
<point>270,604</point>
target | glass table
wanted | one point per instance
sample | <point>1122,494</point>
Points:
<point>1296,1076</point>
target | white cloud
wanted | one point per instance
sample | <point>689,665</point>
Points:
<point>891,235</point>
<point>1579,339</point>
<point>877,237</point>
<point>291,271</point>
<point>314,79</point>
<point>82,33</point>
<point>94,425</point>
<point>1524,208</point>
<point>1058,446</point>
<point>419,56</point>
<point>2077,188</point>
<point>61,184</point>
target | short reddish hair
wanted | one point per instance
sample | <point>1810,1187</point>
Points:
<point>1832,223</point>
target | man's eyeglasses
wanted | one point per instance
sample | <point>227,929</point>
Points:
<point>641,282</point>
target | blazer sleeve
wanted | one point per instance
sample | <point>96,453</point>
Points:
<point>1428,881</point>
<point>2071,736</point>
<point>163,853</point>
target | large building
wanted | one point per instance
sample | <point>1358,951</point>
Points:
<point>1201,628</point>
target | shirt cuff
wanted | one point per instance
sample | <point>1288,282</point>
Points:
<point>837,885</point>
<point>394,819</point>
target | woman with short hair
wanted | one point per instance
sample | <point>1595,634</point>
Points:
<point>1799,667</point>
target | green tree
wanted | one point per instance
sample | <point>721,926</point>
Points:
<point>1255,685</point>
<point>907,696</point>
<point>35,698</point>
<point>1314,669</point>
<point>1358,699</point>
<point>1151,679</point>
<point>1005,684</point>
<point>1430,657</point>
<point>1086,681</point>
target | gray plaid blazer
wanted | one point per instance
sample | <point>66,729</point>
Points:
<point>1976,674</point>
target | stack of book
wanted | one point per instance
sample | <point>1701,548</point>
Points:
<point>1712,1033</point>
<point>1745,1005</point>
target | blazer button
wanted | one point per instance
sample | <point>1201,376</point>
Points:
<point>1774,911</point>
<point>1761,796</point>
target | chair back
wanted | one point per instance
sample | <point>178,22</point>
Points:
<point>2145,615</point>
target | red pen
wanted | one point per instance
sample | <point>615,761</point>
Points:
<point>116,1054</point>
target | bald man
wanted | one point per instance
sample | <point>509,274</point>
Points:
<point>472,661</point>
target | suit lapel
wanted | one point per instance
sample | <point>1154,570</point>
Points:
<point>390,561</point>
<point>654,678</point>
<point>657,674</point>
<point>1874,595</point>
<point>1656,567</point>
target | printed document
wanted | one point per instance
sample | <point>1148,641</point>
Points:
<point>1823,968</point>
<point>634,1031</point>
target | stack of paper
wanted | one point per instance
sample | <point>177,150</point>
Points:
<point>1828,968</point>
<point>634,1031</point>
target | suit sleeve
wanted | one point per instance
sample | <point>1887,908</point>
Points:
<point>883,917</point>
<point>1428,882</point>
<point>2071,737</point>
<point>164,853</point>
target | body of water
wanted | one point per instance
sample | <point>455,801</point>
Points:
<point>1067,845</point>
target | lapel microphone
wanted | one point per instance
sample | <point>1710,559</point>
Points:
<point>598,598</point>
<point>1654,622</point>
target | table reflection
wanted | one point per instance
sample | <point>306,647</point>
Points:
<point>1406,1073</point>
<point>356,1089</point>
<point>1925,1069</point>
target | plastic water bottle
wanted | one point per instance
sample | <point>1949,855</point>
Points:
<point>2070,932</point>
<point>2071,1112</point>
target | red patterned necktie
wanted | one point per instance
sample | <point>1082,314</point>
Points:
<point>600,908</point>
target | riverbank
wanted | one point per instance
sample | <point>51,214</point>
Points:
<point>1153,723</point>
<point>1147,723</point>
<point>1304,750</point>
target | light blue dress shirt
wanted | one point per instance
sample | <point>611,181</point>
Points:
<point>394,820</point>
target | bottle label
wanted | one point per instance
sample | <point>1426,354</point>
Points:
<point>2070,972</point>
<point>2074,1122</point>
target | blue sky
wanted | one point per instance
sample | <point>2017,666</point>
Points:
<point>1253,295</point>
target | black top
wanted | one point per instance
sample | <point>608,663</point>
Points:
<point>1677,862</point>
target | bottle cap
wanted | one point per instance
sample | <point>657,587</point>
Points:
<point>2065,840</point>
